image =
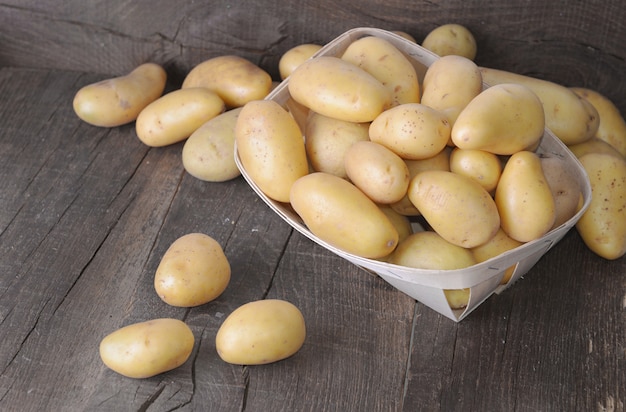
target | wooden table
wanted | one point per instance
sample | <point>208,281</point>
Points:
<point>86,214</point>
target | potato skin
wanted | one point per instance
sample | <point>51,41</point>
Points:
<point>117,101</point>
<point>271,147</point>
<point>339,89</point>
<point>339,213</point>
<point>457,207</point>
<point>603,225</point>
<point>451,39</point>
<point>236,80</point>
<point>193,271</point>
<point>146,349</point>
<point>174,116</point>
<point>294,57</point>
<point>499,244</point>
<point>564,186</point>
<point>209,153</point>
<point>482,166</point>
<point>261,332</point>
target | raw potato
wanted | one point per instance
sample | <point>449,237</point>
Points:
<point>209,153</point>
<point>401,222</point>
<point>603,225</point>
<point>328,139</point>
<point>428,250</point>
<point>451,39</point>
<point>340,214</point>
<point>117,101</point>
<point>175,116</point>
<point>524,198</point>
<point>457,207</point>
<point>405,35</point>
<point>503,119</point>
<point>236,80</point>
<point>499,244</point>
<point>450,83</point>
<point>380,173</point>
<point>411,130</point>
<point>270,147</point>
<point>193,271</point>
<point>385,62</point>
<point>612,126</point>
<point>594,145</point>
<point>146,349</point>
<point>564,186</point>
<point>339,89</point>
<point>570,118</point>
<point>482,166</point>
<point>294,57</point>
<point>261,332</point>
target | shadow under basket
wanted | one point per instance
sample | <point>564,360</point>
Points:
<point>427,286</point>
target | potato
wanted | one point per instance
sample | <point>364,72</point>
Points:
<point>261,332</point>
<point>146,349</point>
<point>193,271</point>
<point>209,153</point>
<point>117,101</point>
<point>524,198</point>
<point>451,39</point>
<point>498,244</point>
<point>482,166</point>
<point>271,147</point>
<point>503,119</point>
<point>339,89</point>
<point>564,186</point>
<point>603,225</point>
<point>400,222</point>
<point>570,118</point>
<point>594,145</point>
<point>236,80</point>
<point>411,130</point>
<point>612,126</point>
<point>450,83</point>
<point>340,214</point>
<point>457,207</point>
<point>294,57</point>
<point>390,66</point>
<point>405,35</point>
<point>328,139</point>
<point>380,173</point>
<point>428,250</point>
<point>174,116</point>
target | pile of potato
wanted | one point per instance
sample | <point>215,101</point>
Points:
<point>363,150</point>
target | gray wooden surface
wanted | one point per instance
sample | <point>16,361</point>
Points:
<point>86,213</point>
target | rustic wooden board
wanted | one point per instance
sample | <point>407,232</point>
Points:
<point>86,213</point>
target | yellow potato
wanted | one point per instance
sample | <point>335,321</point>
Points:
<point>384,61</point>
<point>503,119</point>
<point>261,332</point>
<point>405,35</point>
<point>612,126</point>
<point>209,153</point>
<point>570,118</point>
<point>428,250</point>
<point>236,80</point>
<point>174,116</point>
<point>117,101</point>
<point>340,214</point>
<point>193,271</point>
<point>339,89</point>
<point>400,221</point>
<point>482,166</point>
<point>603,225</point>
<point>451,39</point>
<point>450,83</point>
<point>498,244</point>
<point>564,186</point>
<point>524,198</point>
<point>411,130</point>
<point>146,349</point>
<point>328,139</point>
<point>271,147</point>
<point>594,145</point>
<point>294,57</point>
<point>380,173</point>
<point>457,207</point>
